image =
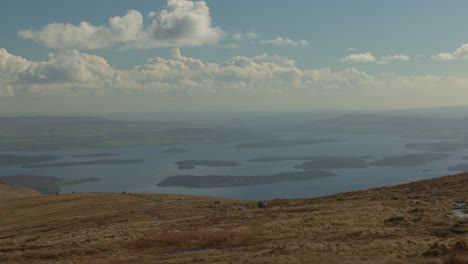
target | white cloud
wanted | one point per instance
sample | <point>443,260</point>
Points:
<point>285,42</point>
<point>248,80</point>
<point>460,53</point>
<point>368,57</point>
<point>11,64</point>
<point>180,23</point>
<point>360,57</point>
<point>75,73</point>
<point>10,67</point>
<point>86,36</point>
<point>395,57</point>
<point>254,38</point>
<point>69,67</point>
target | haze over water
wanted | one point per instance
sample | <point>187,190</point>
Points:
<point>143,177</point>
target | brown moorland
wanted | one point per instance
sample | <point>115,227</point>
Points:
<point>410,223</point>
<point>13,192</point>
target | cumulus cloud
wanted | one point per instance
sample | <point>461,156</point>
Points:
<point>368,57</point>
<point>10,67</point>
<point>360,57</point>
<point>460,53</point>
<point>285,42</point>
<point>396,57</point>
<point>180,23</point>
<point>65,73</point>
<point>87,36</point>
<point>69,67</point>
<point>249,79</point>
<point>74,73</point>
<point>11,64</point>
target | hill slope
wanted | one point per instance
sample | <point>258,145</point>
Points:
<point>9,192</point>
<point>396,224</point>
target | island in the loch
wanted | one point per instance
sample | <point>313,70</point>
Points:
<point>321,163</point>
<point>95,155</point>
<point>174,150</point>
<point>191,164</point>
<point>83,163</point>
<point>43,184</point>
<point>277,143</point>
<point>277,159</point>
<point>415,159</point>
<point>10,159</point>
<point>214,181</point>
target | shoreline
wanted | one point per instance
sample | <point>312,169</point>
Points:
<point>83,163</point>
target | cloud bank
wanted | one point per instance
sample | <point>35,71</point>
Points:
<point>248,81</point>
<point>74,73</point>
<point>181,23</point>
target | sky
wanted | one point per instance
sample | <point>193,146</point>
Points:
<point>63,56</point>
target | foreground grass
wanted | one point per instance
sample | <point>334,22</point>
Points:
<point>410,223</point>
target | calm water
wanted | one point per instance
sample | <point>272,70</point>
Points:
<point>143,177</point>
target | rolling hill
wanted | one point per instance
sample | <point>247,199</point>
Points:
<point>10,192</point>
<point>420,222</point>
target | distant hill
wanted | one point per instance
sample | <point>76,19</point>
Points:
<point>460,111</point>
<point>8,192</point>
<point>373,124</point>
<point>51,133</point>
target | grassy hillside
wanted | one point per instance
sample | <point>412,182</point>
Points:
<point>411,223</point>
<point>9,192</point>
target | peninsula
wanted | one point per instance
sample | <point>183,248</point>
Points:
<point>191,164</point>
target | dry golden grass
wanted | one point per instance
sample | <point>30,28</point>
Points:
<point>14,192</point>
<point>392,225</point>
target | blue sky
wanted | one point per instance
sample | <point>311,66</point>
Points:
<point>339,49</point>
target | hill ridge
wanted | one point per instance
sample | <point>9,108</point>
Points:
<point>409,223</point>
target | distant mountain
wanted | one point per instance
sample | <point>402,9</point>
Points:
<point>460,111</point>
<point>411,127</point>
